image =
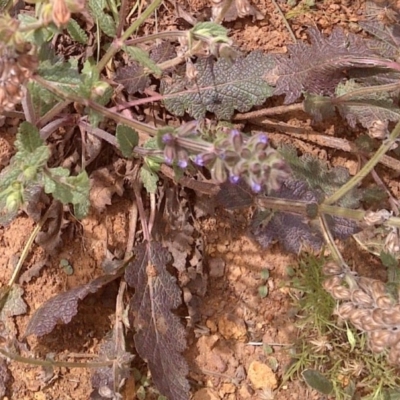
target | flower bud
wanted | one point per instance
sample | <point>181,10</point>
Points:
<point>60,13</point>
<point>169,154</point>
<point>218,172</point>
<point>203,159</point>
<point>237,140</point>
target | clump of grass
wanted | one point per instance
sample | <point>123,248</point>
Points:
<point>337,353</point>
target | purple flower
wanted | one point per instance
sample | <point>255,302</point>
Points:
<point>183,163</point>
<point>167,138</point>
<point>256,187</point>
<point>199,160</point>
<point>234,179</point>
<point>263,138</point>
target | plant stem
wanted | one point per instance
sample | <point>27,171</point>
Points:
<point>356,179</point>
<point>326,232</point>
<point>285,21</point>
<point>119,118</point>
<point>154,36</point>
<point>118,43</point>
<point>269,111</point>
<point>52,364</point>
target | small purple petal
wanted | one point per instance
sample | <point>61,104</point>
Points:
<point>256,187</point>
<point>234,179</point>
<point>263,139</point>
<point>168,160</point>
<point>167,138</point>
<point>182,163</point>
<point>235,132</point>
<point>198,160</point>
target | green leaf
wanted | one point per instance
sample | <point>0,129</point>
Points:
<point>149,179</point>
<point>388,260</point>
<point>32,153</point>
<point>127,139</point>
<point>143,58</point>
<point>105,21</point>
<point>28,138</point>
<point>76,32</point>
<point>351,338</point>
<point>317,381</point>
<point>317,174</point>
<point>220,87</point>
<point>69,189</point>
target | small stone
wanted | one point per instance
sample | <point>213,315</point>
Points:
<point>211,325</point>
<point>245,392</point>
<point>206,394</point>
<point>232,327</point>
<point>217,267</point>
<point>227,388</point>
<point>261,376</point>
<point>221,248</point>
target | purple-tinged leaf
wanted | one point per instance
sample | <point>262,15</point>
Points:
<point>160,336</point>
<point>319,67</point>
<point>133,78</point>
<point>63,307</point>
<point>220,87</point>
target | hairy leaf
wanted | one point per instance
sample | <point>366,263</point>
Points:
<point>295,231</point>
<point>292,230</point>
<point>143,58</point>
<point>160,337</point>
<point>127,139</point>
<point>63,307</point>
<point>76,32</point>
<point>318,67</point>
<point>388,35</point>
<point>355,105</point>
<point>105,21</point>
<point>69,189</point>
<point>319,176</point>
<point>149,179</point>
<point>133,78</point>
<point>110,379</point>
<point>220,87</point>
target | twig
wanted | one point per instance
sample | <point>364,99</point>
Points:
<point>27,248</point>
<point>100,133</point>
<point>142,214</point>
<point>269,111</point>
<point>322,140</point>
<point>326,232</point>
<point>133,217</point>
<point>28,108</point>
<point>152,211</point>
<point>284,20</point>
<point>119,337</point>
<point>52,113</point>
<point>52,364</point>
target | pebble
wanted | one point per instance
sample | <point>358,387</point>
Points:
<point>206,394</point>
<point>261,376</point>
